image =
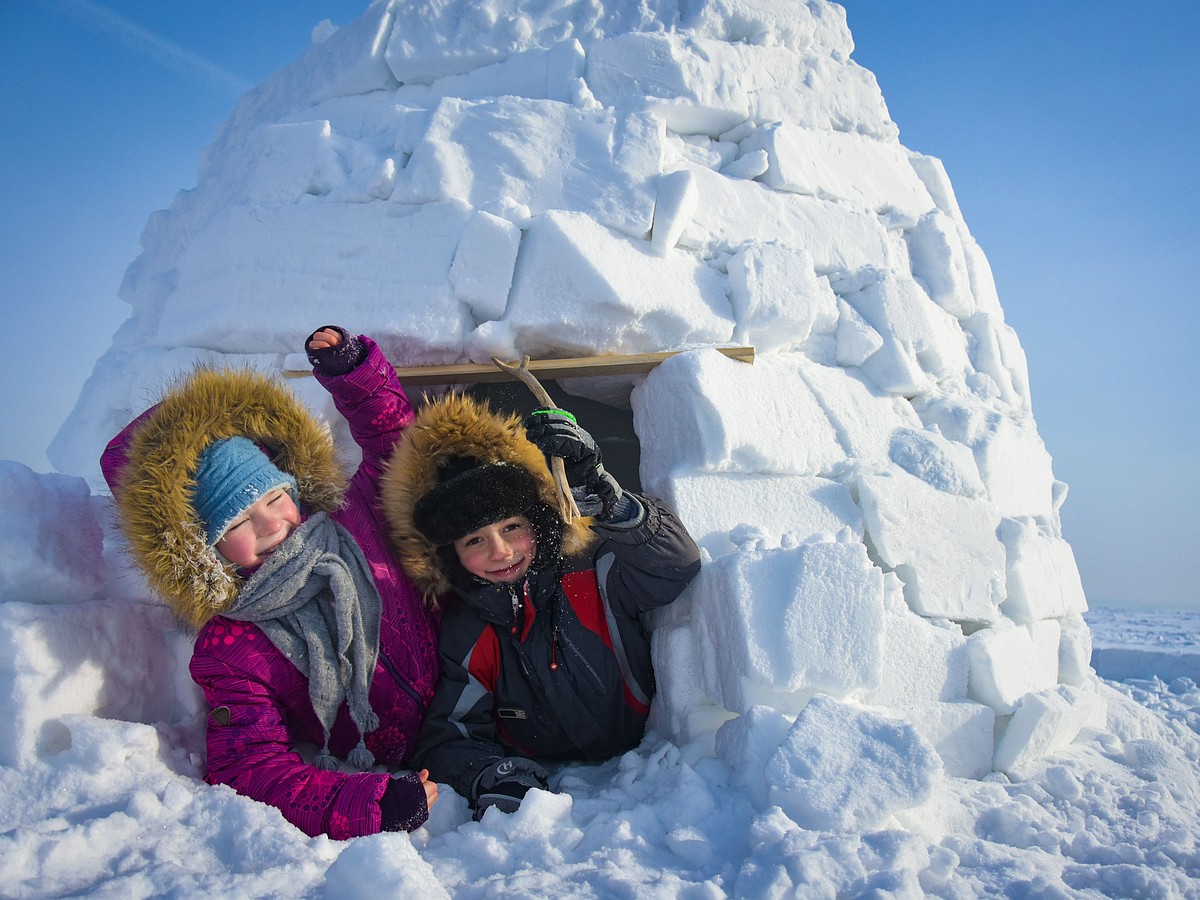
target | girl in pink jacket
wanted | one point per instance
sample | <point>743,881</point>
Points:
<point>315,653</point>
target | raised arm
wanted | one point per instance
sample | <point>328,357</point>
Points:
<point>364,388</point>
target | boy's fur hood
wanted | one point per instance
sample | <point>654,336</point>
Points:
<point>152,492</point>
<point>457,425</point>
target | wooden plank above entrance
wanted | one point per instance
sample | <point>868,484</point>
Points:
<point>550,369</point>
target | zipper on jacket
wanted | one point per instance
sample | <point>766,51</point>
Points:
<point>583,660</point>
<point>403,682</point>
<point>516,605</point>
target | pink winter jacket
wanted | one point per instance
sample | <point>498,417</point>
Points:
<point>259,704</point>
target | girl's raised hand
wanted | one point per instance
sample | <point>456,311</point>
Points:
<point>326,337</point>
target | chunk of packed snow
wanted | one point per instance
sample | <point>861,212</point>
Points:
<point>51,543</point>
<point>245,257</point>
<point>703,412</point>
<point>730,213</point>
<point>922,343</point>
<point>844,168</point>
<point>784,624</point>
<point>583,289</point>
<point>1041,576</point>
<point>777,298</point>
<point>943,546</point>
<point>1009,662</point>
<point>674,202</point>
<point>924,660</point>
<point>846,769</point>
<point>97,658</point>
<point>541,154</point>
<point>1044,722</point>
<point>795,508</point>
<point>482,271</point>
<point>962,733</point>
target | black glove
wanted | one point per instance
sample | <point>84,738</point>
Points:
<point>345,357</point>
<point>505,782</point>
<point>403,806</point>
<point>556,433</point>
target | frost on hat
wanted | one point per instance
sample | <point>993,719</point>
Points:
<point>470,495</point>
<point>232,476</point>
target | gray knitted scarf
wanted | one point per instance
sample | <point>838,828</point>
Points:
<point>315,599</point>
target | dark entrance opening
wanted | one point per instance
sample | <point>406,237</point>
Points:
<point>610,426</point>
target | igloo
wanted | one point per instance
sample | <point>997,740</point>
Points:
<point>878,515</point>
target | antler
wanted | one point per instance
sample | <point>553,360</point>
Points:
<point>566,502</point>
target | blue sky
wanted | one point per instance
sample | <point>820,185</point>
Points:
<point>1068,130</point>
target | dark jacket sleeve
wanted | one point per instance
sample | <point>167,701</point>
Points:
<point>647,564</point>
<point>458,738</point>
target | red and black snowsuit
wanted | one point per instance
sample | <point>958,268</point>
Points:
<point>557,666</point>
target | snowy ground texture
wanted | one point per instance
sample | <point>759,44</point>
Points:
<point>120,812</point>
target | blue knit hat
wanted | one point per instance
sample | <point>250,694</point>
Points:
<point>232,476</point>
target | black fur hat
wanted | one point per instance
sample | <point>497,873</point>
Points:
<point>469,496</point>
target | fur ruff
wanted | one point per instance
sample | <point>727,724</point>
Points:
<point>458,425</point>
<point>153,496</point>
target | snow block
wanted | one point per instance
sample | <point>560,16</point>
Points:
<point>941,464</point>
<point>249,279</point>
<point>673,206</point>
<point>1009,662</point>
<point>731,213</point>
<point>1016,468</point>
<point>681,710</point>
<point>1042,578</point>
<point>784,624</point>
<point>748,742</point>
<point>863,416</point>
<point>583,289</point>
<point>856,339</point>
<point>943,546</point>
<point>845,769</point>
<point>933,175</point>
<point>99,658</point>
<point>939,263</point>
<point>1044,723</point>
<point>840,166</point>
<point>922,343</point>
<point>550,73</point>
<point>542,155</point>
<point>777,298</point>
<point>367,862</point>
<point>51,543</point>
<point>996,353</point>
<point>1075,653</point>
<point>482,271</point>
<point>963,734</point>
<point>701,412</point>
<point>923,662</point>
<point>699,84</point>
<point>1013,462</point>
<point>779,509</point>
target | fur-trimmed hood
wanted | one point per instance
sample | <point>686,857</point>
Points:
<point>152,483</point>
<point>457,425</point>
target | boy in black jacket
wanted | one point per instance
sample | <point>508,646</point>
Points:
<point>545,651</point>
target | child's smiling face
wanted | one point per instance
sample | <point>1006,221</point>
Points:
<point>264,525</point>
<point>498,552</point>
